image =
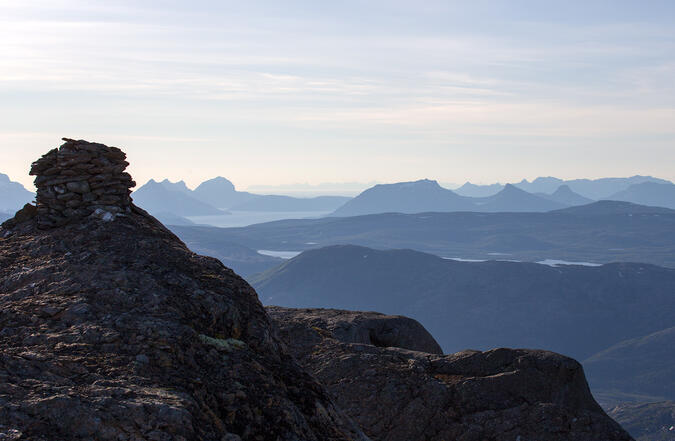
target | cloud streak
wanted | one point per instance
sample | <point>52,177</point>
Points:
<point>373,74</point>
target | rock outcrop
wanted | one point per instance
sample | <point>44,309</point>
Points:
<point>371,328</point>
<point>111,329</point>
<point>397,394</point>
<point>80,179</point>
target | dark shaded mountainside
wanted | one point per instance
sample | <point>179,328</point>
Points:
<point>600,232</point>
<point>637,367</point>
<point>647,421</point>
<point>618,318</point>
<point>112,329</point>
<point>485,304</point>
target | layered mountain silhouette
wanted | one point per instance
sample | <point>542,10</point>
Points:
<point>542,194</point>
<point>513,199</point>
<point>574,310</point>
<point>606,231</point>
<point>648,193</point>
<point>565,196</point>
<point>13,195</point>
<point>404,197</point>
<point>478,191</point>
<point>179,186</point>
<point>159,197</point>
<point>428,196</point>
<point>219,194</point>
<point>594,189</point>
<point>591,189</point>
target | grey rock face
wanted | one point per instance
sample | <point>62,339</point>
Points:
<point>396,394</point>
<point>370,328</point>
<point>114,330</point>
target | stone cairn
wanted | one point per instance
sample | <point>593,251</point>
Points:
<point>81,179</point>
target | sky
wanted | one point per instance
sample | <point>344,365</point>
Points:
<point>277,93</point>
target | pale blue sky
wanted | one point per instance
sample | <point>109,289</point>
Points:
<point>344,91</point>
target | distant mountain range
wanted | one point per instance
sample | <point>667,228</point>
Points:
<point>601,232</point>
<point>478,191</point>
<point>543,194</point>
<point>164,197</point>
<point>216,196</point>
<point>428,196</point>
<point>574,310</point>
<point>648,193</point>
<point>404,197</point>
<point>220,192</point>
<point>565,196</point>
<point>513,199</point>
<point>13,195</point>
<point>595,189</point>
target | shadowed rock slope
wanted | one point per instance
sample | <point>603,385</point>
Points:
<point>397,394</point>
<point>111,329</point>
<point>647,421</point>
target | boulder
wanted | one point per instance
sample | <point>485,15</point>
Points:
<point>396,394</point>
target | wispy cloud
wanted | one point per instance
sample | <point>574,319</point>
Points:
<point>301,75</point>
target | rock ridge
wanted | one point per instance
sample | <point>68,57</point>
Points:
<point>396,394</point>
<point>370,328</point>
<point>111,329</point>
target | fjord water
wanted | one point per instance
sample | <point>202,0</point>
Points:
<point>246,218</point>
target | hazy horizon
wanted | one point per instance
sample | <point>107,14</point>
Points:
<point>269,94</point>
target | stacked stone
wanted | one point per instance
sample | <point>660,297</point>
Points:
<point>81,179</point>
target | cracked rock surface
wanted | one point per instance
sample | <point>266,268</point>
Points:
<point>114,330</point>
<point>398,394</point>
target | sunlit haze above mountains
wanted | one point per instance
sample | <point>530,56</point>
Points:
<point>276,93</point>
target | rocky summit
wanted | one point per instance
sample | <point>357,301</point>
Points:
<point>111,329</point>
<point>397,394</point>
<point>371,328</point>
